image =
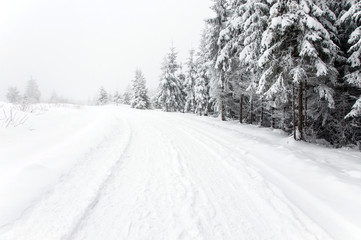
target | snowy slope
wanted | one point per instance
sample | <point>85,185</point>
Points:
<point>119,173</point>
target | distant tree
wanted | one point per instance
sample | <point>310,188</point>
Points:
<point>54,98</point>
<point>140,99</point>
<point>117,98</point>
<point>127,96</point>
<point>13,95</point>
<point>103,97</point>
<point>32,92</point>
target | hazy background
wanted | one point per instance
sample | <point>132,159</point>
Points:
<point>75,46</point>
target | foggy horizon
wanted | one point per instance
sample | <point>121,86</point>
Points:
<point>75,47</point>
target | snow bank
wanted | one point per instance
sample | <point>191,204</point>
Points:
<point>38,151</point>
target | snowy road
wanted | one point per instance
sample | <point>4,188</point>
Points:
<point>158,175</point>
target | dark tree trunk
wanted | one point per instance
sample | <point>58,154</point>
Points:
<point>294,111</point>
<point>305,110</point>
<point>251,109</point>
<point>283,119</point>
<point>261,120</point>
<point>272,117</point>
<point>240,108</point>
<point>223,114</point>
<point>300,110</point>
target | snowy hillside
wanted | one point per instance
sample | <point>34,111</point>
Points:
<point>110,172</point>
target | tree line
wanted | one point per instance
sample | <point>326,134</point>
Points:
<point>287,64</point>
<point>136,96</point>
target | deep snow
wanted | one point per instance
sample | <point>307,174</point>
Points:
<point>118,173</point>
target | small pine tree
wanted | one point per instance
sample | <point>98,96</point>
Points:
<point>140,99</point>
<point>117,98</point>
<point>32,92</point>
<point>103,97</point>
<point>127,96</point>
<point>13,95</point>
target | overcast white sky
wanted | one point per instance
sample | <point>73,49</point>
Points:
<point>75,46</point>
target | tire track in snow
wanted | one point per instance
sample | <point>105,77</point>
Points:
<point>254,166</point>
<point>54,214</point>
<point>286,210</point>
<point>109,179</point>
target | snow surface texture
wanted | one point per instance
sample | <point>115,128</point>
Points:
<point>120,173</point>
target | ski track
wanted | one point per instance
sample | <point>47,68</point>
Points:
<point>154,177</point>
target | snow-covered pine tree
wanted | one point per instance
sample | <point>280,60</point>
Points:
<point>170,91</point>
<point>103,97</point>
<point>32,92</point>
<point>140,99</point>
<point>127,95</point>
<point>117,98</point>
<point>298,47</point>
<point>182,79</point>
<point>218,59</point>
<point>352,18</point>
<point>13,95</point>
<point>201,88</point>
<point>250,18</point>
<point>189,84</point>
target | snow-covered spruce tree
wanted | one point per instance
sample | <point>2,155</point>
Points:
<point>298,48</point>
<point>170,91</point>
<point>127,95</point>
<point>182,79</point>
<point>32,93</point>
<point>117,98</point>
<point>250,19</point>
<point>201,87</point>
<point>218,62</point>
<point>103,97</point>
<point>352,18</point>
<point>189,83</point>
<point>140,99</point>
<point>13,95</point>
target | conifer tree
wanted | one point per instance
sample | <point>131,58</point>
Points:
<point>201,88</point>
<point>298,47</point>
<point>170,92</point>
<point>189,84</point>
<point>352,18</point>
<point>13,95</point>
<point>140,99</point>
<point>218,62</point>
<point>32,92</point>
<point>103,97</point>
<point>117,98</point>
<point>127,95</point>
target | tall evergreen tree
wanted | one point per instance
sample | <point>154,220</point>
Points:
<point>298,47</point>
<point>352,18</point>
<point>201,88</point>
<point>252,17</point>
<point>170,92</point>
<point>140,99</point>
<point>189,84</point>
<point>103,97</point>
<point>32,92</point>
<point>218,61</point>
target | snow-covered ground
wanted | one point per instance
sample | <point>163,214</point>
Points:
<point>118,173</point>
